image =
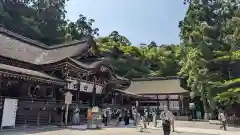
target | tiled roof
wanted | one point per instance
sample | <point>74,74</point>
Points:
<point>7,69</point>
<point>155,86</point>
<point>129,93</point>
<point>87,66</point>
<point>24,49</point>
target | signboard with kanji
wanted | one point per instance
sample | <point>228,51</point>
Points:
<point>68,98</point>
<point>95,109</point>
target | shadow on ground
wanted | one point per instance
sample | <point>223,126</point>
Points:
<point>29,130</point>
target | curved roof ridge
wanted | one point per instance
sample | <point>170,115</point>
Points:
<point>156,78</point>
<point>40,44</point>
<point>22,38</point>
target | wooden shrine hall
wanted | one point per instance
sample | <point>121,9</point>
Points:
<point>158,92</point>
<point>36,76</point>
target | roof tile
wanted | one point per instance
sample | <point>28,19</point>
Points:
<point>171,86</point>
<point>28,72</point>
<point>24,49</point>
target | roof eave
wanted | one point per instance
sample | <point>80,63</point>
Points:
<point>170,93</point>
<point>27,77</point>
<point>156,78</point>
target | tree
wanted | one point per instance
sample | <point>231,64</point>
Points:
<point>81,28</point>
<point>44,20</point>
<point>152,44</point>
<point>204,33</point>
<point>142,61</point>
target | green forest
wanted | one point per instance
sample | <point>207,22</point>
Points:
<point>208,56</point>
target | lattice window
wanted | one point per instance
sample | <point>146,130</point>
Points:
<point>174,105</point>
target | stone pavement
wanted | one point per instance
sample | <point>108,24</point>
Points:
<point>203,127</point>
<point>105,131</point>
<point>181,127</point>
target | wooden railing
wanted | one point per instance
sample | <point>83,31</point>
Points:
<point>44,102</point>
<point>32,111</point>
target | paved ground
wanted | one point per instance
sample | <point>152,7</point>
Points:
<point>203,125</point>
<point>108,131</point>
<point>182,128</point>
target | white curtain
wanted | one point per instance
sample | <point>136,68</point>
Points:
<point>73,84</point>
<point>99,89</point>
<point>86,87</point>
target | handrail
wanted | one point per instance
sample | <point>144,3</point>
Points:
<point>43,100</point>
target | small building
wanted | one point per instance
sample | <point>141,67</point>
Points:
<point>159,92</point>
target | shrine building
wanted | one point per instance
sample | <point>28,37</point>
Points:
<point>37,76</point>
<point>158,92</point>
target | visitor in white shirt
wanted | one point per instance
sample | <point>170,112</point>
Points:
<point>166,117</point>
<point>223,120</point>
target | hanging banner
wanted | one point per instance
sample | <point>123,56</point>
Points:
<point>173,96</point>
<point>162,96</point>
<point>72,85</point>
<point>150,96</point>
<point>86,87</point>
<point>162,104</point>
<point>99,89</point>
<point>9,112</point>
<point>174,105</point>
<point>68,98</point>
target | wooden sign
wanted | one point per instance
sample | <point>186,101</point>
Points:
<point>95,109</point>
<point>174,105</point>
<point>68,98</point>
<point>9,112</point>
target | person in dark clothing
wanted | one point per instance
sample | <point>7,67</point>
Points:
<point>126,117</point>
<point>105,117</point>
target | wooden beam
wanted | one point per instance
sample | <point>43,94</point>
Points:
<point>0,81</point>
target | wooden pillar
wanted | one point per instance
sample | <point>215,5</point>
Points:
<point>29,89</point>
<point>0,81</point>
<point>1,92</point>
<point>38,118</point>
<point>61,118</point>
<point>158,105</point>
<point>115,98</point>
<point>49,118</point>
<point>113,94</point>
<point>94,95</point>
<point>78,87</point>
<point>121,98</point>
<point>181,103</point>
<point>168,102</point>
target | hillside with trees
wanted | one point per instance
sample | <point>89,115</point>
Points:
<point>208,56</point>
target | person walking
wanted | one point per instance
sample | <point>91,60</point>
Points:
<point>126,117</point>
<point>166,118</point>
<point>119,116</point>
<point>223,120</point>
<point>134,113</point>
<point>172,121</point>
<point>105,117</point>
<point>146,115</point>
<point>154,121</point>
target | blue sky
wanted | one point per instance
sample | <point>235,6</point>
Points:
<point>141,21</point>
